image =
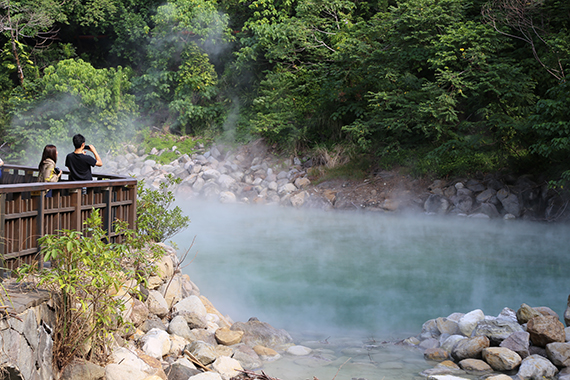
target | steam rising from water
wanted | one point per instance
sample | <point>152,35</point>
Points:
<point>376,274</point>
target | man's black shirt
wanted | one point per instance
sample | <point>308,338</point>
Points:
<point>80,166</point>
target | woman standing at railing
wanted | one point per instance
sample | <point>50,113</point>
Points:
<point>48,171</point>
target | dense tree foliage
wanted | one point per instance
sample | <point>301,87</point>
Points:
<point>454,85</point>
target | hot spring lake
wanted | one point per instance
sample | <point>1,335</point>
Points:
<point>367,276</point>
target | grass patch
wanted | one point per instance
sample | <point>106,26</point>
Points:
<point>184,145</point>
<point>338,163</point>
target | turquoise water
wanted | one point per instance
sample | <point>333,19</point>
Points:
<point>371,275</point>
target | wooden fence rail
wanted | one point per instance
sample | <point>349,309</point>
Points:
<point>31,209</point>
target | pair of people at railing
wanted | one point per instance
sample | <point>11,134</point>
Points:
<point>78,162</point>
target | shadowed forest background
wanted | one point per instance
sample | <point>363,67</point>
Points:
<point>445,87</point>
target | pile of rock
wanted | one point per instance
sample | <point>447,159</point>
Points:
<point>529,344</point>
<point>251,174</point>
<point>496,196</point>
<point>219,173</point>
<point>180,335</point>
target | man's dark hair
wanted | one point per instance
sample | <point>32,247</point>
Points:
<point>78,140</point>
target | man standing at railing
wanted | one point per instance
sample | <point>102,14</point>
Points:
<point>79,162</point>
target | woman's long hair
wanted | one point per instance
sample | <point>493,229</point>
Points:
<point>50,151</point>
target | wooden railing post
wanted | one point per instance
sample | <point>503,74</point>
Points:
<point>107,222</point>
<point>2,233</point>
<point>76,214</point>
<point>133,209</point>
<point>40,227</point>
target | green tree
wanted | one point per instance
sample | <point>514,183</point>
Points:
<point>73,97</point>
<point>180,85</point>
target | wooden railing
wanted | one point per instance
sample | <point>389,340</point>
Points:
<point>31,209</point>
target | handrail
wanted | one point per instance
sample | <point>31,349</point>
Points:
<point>31,209</point>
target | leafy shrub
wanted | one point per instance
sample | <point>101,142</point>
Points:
<point>155,218</point>
<point>86,274</point>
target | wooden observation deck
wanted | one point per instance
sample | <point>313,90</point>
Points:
<point>31,209</point>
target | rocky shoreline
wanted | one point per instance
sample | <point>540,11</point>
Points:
<point>178,334</point>
<point>529,344</point>
<point>252,174</point>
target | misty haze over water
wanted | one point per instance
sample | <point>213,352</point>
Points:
<point>377,275</point>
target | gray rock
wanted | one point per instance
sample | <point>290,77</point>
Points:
<point>518,342</point>
<point>227,197</point>
<point>447,326</point>
<point>450,343</point>
<point>430,330</point>
<point>226,182</point>
<point>286,189</point>
<point>489,209</point>
<point>475,185</point>
<point>191,304</point>
<point>508,314</point>
<point>559,354</point>
<point>470,348</point>
<point>156,343</point>
<point>261,333</point>
<point>156,303</point>
<point>178,326</point>
<point>469,321</point>
<point>178,371</point>
<point>436,204</point>
<point>83,370</point>
<point>511,205</point>
<point>152,323</point>
<point>535,367</point>
<point>486,195</point>
<point>122,372</point>
<point>247,357</point>
<point>496,330</point>
<point>463,202</point>
<point>429,343</point>
<point>198,184</point>
<point>501,358</point>
<point>475,366</point>
<point>202,351</point>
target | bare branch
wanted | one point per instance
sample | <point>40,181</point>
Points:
<point>519,16</point>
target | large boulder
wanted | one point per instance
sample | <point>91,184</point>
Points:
<point>525,313</point>
<point>559,354</point>
<point>204,352</point>
<point>191,304</point>
<point>475,366</point>
<point>156,343</point>
<point>156,303</point>
<point>261,333</point>
<point>227,367</point>
<point>496,330</point>
<point>501,358</point>
<point>470,348</point>
<point>519,342</point>
<point>469,321</point>
<point>536,367</point>
<point>436,204</point>
<point>545,329</point>
<point>447,326</point>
